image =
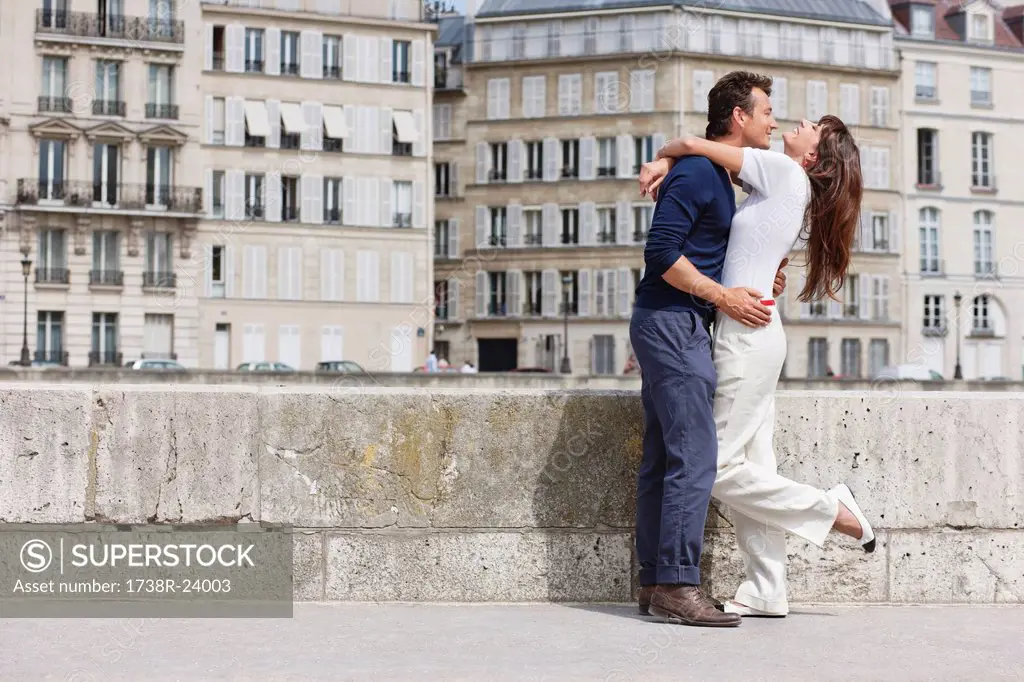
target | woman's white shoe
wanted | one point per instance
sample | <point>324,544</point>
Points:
<point>843,493</point>
<point>748,611</point>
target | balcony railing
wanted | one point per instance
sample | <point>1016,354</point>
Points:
<point>218,61</point>
<point>92,25</point>
<point>289,68</point>
<point>254,211</point>
<point>290,141</point>
<point>605,237</point>
<point>570,172</point>
<point>51,357</point>
<point>449,78</point>
<point>533,239</point>
<point>932,267</point>
<point>936,330</point>
<point>156,279</point>
<point>606,172</point>
<point>254,66</point>
<point>851,310</point>
<point>927,93</point>
<point>107,357</point>
<point>401,148</point>
<point>289,214</point>
<point>53,276</point>
<point>54,105</point>
<point>123,197</point>
<point>108,107</point>
<point>981,98</point>
<point>982,330</point>
<point>332,144</point>
<point>106,278</point>
<point>402,220</point>
<point>639,236</point>
<point>165,111</point>
<point>534,174</point>
<point>332,216</point>
<point>399,76</point>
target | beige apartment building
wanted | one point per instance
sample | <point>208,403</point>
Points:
<point>218,182</point>
<point>963,68</point>
<point>542,117</point>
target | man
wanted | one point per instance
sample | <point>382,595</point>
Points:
<point>431,364</point>
<point>670,332</point>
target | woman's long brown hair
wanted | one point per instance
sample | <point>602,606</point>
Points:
<point>833,213</point>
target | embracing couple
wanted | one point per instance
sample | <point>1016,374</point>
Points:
<point>709,397</point>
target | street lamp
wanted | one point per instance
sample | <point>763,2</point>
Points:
<point>26,267</point>
<point>566,283</point>
<point>958,372</point>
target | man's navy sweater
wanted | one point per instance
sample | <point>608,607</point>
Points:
<point>693,216</point>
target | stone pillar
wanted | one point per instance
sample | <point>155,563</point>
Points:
<point>134,232</point>
<point>28,228</point>
<point>82,224</point>
<point>187,235</point>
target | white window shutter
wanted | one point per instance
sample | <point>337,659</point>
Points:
<point>527,97</point>
<point>780,98</point>
<point>397,263</point>
<point>208,49</point>
<point>482,163</point>
<point>866,240</point>
<point>228,263</point>
<point>625,293</point>
<point>274,116</point>
<point>283,273</point>
<point>482,293</point>
<point>482,227</point>
<point>308,185</point>
<point>419,147</point>
<point>234,57</point>
<point>588,158</point>
<point>234,194</point>
<point>835,309</point>
<point>884,175</point>
<point>894,232</point>
<point>326,276</point>
<point>316,55</point>
<point>272,47</point>
<point>453,237</point>
<point>208,193</point>
<point>272,192</point>
<point>313,116</point>
<point>386,51</point>
<point>585,293</point>
<point>550,294</point>
<point>549,225</point>
<point>208,270</point>
<point>261,272</point>
<point>353,141</point>
<point>515,225</point>
<point>864,283</point>
<point>883,314</point>
<point>623,214</point>
<point>624,147</point>
<point>234,121</point>
<point>516,151</point>
<point>350,58</point>
<point>371,191</point>
<point>588,223</point>
<point>493,88</point>
<point>454,284</point>
<point>387,211</point>
<point>514,284</point>
<point>419,204</point>
<point>550,152</point>
<point>372,48</point>
<point>384,120</point>
<point>348,191</point>
<point>565,95</point>
<point>419,63</point>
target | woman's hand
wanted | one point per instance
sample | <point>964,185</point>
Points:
<point>652,174</point>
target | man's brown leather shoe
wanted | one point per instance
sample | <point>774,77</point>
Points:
<point>686,604</point>
<point>645,599</point>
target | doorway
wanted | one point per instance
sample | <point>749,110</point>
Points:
<point>222,347</point>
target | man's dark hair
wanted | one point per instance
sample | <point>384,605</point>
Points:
<point>733,90</point>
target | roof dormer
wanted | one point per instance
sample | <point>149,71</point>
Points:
<point>922,21</point>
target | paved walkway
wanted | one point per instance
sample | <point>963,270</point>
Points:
<point>522,642</point>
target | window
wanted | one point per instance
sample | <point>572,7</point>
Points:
<point>570,158</point>
<point>161,92</point>
<point>442,300</point>
<point>254,196</point>
<point>570,226</point>
<point>851,296</point>
<point>851,358</point>
<point>217,198</point>
<point>53,97</point>
<point>50,337</point>
<point>442,121</point>
<point>875,163</point>
<point>105,167</point>
<point>401,201</point>
<point>331,55</point>
<point>533,220</point>
<point>858,51</point>
<point>290,200</point>
<point>983,263</point>
<point>445,239</point>
<point>440,70</point>
<point>499,98</point>
<point>218,48</point>
<point>158,176</point>
<point>254,50</point>
<point>51,169</point>
<point>606,157</point>
<point>496,302</point>
<point>817,99</point>
<point>922,22</point>
<point>332,201</point>
<point>400,70</point>
<point>981,86</point>
<point>498,226</point>
<point>570,94</point>
<point>104,340</point>
<point>928,219</point>
<point>158,272</point>
<point>106,267</point>
<point>217,270</point>
<point>925,86</point>
<point>499,162</point>
<point>981,323</point>
<point>51,267</point>
<point>534,96</point>
<point>217,131</point>
<point>934,315</point>
<point>602,359</point>
<point>606,225</point>
<point>981,161</point>
<point>879,232</point>
<point>880,107</point>
<point>641,90</point>
<point>849,103</point>
<point>927,157</point>
<point>289,53</point>
<point>54,14</point>
<point>534,293</point>
<point>642,216</point>
<point>643,151</point>
<point>878,356</point>
<point>107,96</point>
<point>442,179</point>
<point>570,291</point>
<point>534,160</point>
<point>880,298</point>
<point>980,28</point>
<point>606,93</point>
<point>817,358</point>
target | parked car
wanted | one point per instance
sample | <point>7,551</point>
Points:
<point>911,372</point>
<point>264,367</point>
<point>158,365</point>
<point>340,367</point>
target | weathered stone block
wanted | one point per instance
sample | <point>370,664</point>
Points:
<point>308,568</point>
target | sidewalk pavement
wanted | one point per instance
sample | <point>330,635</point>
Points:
<point>535,642</point>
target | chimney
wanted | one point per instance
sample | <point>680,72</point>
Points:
<point>1014,18</point>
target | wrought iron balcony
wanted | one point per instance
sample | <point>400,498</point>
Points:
<point>401,148</point>
<point>399,76</point>
<point>605,237</point>
<point>110,358</point>
<point>155,279</point>
<point>289,68</point>
<point>254,211</point>
<point>218,61</point>
<point>51,357</point>
<point>402,220</point>
<point>165,111</point>
<point>53,276</point>
<point>108,107</point>
<point>254,66</point>
<point>93,25</point>
<point>107,278</point>
<point>533,239</point>
<point>54,105</point>
<point>289,214</point>
<point>640,236</point>
<point>332,72</point>
<point>120,197</point>
<point>332,216</point>
<point>333,145</point>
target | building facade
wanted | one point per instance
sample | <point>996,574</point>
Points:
<point>963,64</point>
<point>538,140</point>
<point>218,182</point>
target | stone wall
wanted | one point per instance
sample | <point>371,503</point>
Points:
<point>478,495</point>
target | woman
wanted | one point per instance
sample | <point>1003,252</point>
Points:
<point>812,190</point>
